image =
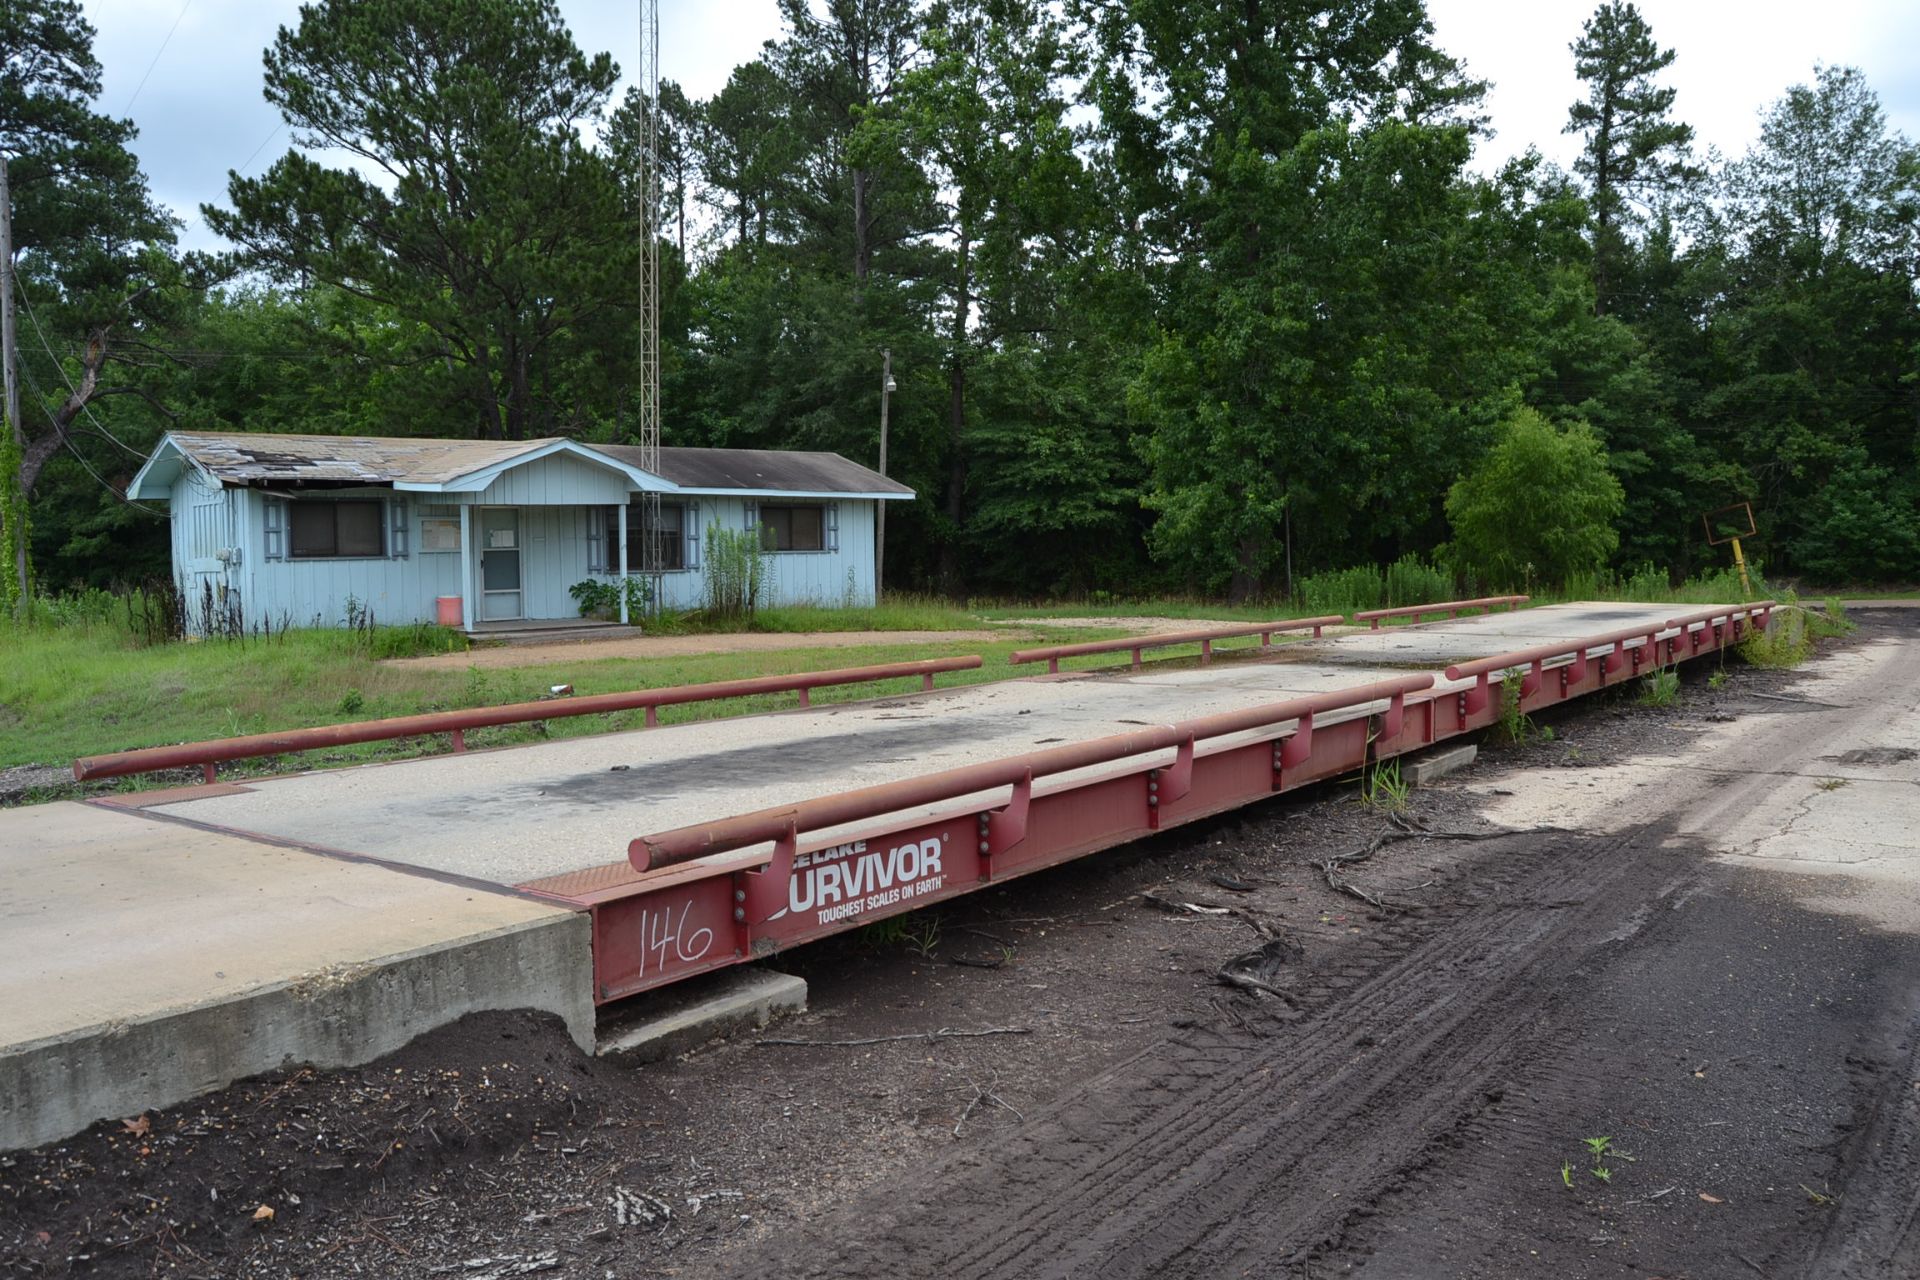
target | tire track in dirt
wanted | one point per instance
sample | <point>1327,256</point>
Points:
<point>1480,1170</point>
<point>1874,1233</point>
<point>1214,1153</point>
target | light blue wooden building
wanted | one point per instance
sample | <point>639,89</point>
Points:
<point>291,528</point>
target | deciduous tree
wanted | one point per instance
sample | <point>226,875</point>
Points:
<point>1538,508</point>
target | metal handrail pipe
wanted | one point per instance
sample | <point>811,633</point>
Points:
<point>684,844</point>
<point>1448,607</point>
<point>1721,611</point>
<point>1204,637</point>
<point>211,752</point>
<point>1564,648</point>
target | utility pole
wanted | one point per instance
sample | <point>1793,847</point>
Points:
<point>880,504</point>
<point>8,358</point>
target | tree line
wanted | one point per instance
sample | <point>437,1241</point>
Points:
<point>1178,297</point>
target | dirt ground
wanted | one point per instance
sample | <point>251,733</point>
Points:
<point>1133,626</point>
<point>1394,1080</point>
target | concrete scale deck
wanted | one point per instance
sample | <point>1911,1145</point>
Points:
<point>527,813</point>
<point>156,950</point>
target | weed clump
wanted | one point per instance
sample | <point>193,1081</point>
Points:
<point>1382,788</point>
<point>1660,689</point>
<point>1514,726</point>
<point>917,931</point>
<point>1792,631</point>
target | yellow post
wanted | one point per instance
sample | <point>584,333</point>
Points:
<point>1740,562</point>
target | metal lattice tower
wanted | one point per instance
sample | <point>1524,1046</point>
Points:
<point>651,552</point>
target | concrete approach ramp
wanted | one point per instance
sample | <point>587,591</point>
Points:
<point>143,962</point>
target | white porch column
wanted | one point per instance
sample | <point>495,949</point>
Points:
<point>466,567</point>
<point>621,519</point>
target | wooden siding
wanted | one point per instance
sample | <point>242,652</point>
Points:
<point>208,546</point>
<point>557,550</point>
<point>556,481</point>
<point>795,577</point>
<point>555,558</point>
<point>304,593</point>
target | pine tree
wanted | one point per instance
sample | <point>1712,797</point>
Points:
<point>1635,151</point>
<point>498,230</point>
<point>92,254</point>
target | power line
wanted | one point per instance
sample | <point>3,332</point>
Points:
<point>85,408</point>
<point>81,458</point>
<point>248,162</point>
<point>156,56</point>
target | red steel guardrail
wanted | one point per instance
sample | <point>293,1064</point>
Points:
<point>1452,608</point>
<point>784,823</point>
<point>1205,637</point>
<point>1691,630</point>
<point>787,875</point>
<point>207,754</point>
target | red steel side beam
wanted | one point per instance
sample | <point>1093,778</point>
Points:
<point>1452,608</point>
<point>1204,637</point>
<point>672,922</point>
<point>700,840</point>
<point>206,754</point>
<point>1635,646</point>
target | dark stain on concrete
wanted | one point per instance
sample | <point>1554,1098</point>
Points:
<point>824,758</point>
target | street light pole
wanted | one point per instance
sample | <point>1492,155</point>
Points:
<point>880,504</point>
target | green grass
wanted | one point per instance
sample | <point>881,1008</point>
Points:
<point>1382,788</point>
<point>1660,689</point>
<point>899,613</point>
<point>905,613</point>
<point>1347,590</point>
<point>67,693</point>
<point>1716,586</point>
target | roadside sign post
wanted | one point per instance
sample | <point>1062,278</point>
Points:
<point>1730,524</point>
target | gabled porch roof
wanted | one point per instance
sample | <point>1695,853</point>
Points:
<point>249,459</point>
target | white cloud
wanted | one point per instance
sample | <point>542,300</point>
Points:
<point>201,113</point>
<point>1733,61</point>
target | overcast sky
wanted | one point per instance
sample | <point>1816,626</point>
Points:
<point>195,93</point>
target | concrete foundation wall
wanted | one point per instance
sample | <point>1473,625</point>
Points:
<point>55,1087</point>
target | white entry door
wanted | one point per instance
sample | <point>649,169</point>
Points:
<point>500,567</point>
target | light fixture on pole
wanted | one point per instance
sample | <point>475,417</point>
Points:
<point>880,505</point>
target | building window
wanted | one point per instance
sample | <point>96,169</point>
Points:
<point>793,528</point>
<point>336,529</point>
<point>669,540</point>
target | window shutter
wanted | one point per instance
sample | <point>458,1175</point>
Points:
<point>397,544</point>
<point>276,528</point>
<point>692,526</point>
<point>833,526</point>
<point>599,524</point>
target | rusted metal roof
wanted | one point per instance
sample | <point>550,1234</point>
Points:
<point>249,457</point>
<point>761,471</point>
